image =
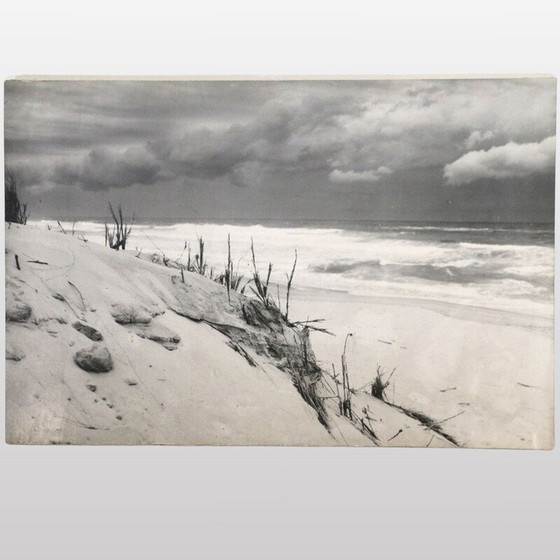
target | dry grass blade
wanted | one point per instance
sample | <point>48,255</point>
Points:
<point>200,265</point>
<point>346,405</point>
<point>307,324</point>
<point>289,286</point>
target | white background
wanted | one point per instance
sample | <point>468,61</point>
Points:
<point>67,502</point>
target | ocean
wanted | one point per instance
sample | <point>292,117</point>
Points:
<point>505,266</point>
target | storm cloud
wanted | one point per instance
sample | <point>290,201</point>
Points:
<point>104,167</point>
<point>275,148</point>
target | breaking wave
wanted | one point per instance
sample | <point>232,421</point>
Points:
<point>505,266</point>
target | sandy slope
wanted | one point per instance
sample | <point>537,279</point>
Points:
<point>492,368</point>
<point>202,391</point>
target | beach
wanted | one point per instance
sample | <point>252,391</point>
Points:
<point>479,376</point>
<point>107,348</point>
<point>490,372</point>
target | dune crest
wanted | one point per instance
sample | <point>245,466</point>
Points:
<point>107,348</point>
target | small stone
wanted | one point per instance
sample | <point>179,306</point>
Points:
<point>118,417</point>
<point>131,381</point>
<point>127,314</point>
<point>158,333</point>
<point>18,312</point>
<point>92,387</point>
<point>14,352</point>
<point>86,330</point>
<point>95,359</point>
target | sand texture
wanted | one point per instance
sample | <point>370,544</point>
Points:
<point>103,347</point>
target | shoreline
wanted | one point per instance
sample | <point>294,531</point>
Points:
<point>290,222</point>
<point>457,310</point>
<point>372,265</point>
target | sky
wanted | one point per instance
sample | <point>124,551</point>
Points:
<point>413,150</point>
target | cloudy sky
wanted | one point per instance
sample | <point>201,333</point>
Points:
<point>446,150</point>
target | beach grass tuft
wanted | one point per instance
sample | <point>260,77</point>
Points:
<point>230,278</point>
<point>117,237</point>
<point>261,287</point>
<point>378,385</point>
<point>199,265</point>
<point>14,210</point>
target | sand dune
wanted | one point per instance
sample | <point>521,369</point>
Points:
<point>106,348</point>
<point>103,347</point>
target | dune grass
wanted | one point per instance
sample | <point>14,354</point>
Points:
<point>233,280</point>
<point>378,386</point>
<point>230,278</point>
<point>261,287</point>
<point>199,265</point>
<point>117,237</point>
<point>14,210</point>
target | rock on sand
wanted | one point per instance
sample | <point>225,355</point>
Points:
<point>95,359</point>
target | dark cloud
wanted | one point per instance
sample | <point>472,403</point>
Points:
<point>105,168</point>
<point>267,136</point>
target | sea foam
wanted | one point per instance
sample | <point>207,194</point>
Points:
<point>503,267</point>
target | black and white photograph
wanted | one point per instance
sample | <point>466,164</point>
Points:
<point>280,262</point>
<point>279,280</point>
